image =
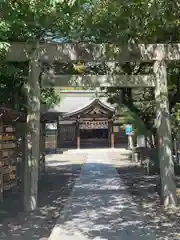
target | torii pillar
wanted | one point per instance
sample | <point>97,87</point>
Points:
<point>32,153</point>
<point>164,136</point>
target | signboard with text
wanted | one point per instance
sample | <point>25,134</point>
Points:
<point>128,130</point>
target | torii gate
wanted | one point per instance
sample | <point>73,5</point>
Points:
<point>52,52</point>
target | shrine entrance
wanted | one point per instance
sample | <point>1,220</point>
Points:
<point>95,136</point>
<point>92,124</point>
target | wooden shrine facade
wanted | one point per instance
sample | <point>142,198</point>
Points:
<point>90,126</point>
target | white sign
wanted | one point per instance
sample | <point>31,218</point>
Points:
<point>51,126</point>
<point>141,141</point>
<point>115,129</point>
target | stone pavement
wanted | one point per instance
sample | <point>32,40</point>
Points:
<point>100,207</point>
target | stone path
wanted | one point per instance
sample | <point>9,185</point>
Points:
<point>100,207</point>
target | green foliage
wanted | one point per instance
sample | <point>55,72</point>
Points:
<point>131,21</point>
<point>178,112</point>
<point>30,20</point>
<point>100,21</point>
<point>34,19</point>
<point>49,97</point>
<point>12,94</point>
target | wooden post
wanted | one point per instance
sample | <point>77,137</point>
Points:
<point>112,140</point>
<point>78,135</point>
<point>78,142</point>
<point>32,133</point>
<point>112,135</point>
<point>109,133</point>
<point>168,187</point>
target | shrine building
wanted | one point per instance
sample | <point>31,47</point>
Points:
<point>83,119</point>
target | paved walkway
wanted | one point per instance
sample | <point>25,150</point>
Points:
<point>100,207</point>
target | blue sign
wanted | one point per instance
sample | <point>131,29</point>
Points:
<point>128,130</point>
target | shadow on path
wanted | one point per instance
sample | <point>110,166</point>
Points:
<point>54,189</point>
<point>101,207</point>
<point>144,192</point>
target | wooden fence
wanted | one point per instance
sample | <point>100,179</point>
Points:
<point>12,151</point>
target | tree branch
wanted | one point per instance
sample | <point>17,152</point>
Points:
<point>128,101</point>
<point>175,98</point>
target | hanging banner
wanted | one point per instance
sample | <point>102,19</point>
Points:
<point>93,125</point>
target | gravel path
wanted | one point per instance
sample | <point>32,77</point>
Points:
<point>100,206</point>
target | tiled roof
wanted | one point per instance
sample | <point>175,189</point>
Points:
<point>90,104</point>
<point>72,101</point>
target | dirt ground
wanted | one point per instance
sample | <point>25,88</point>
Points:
<point>54,189</point>
<point>164,223</point>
